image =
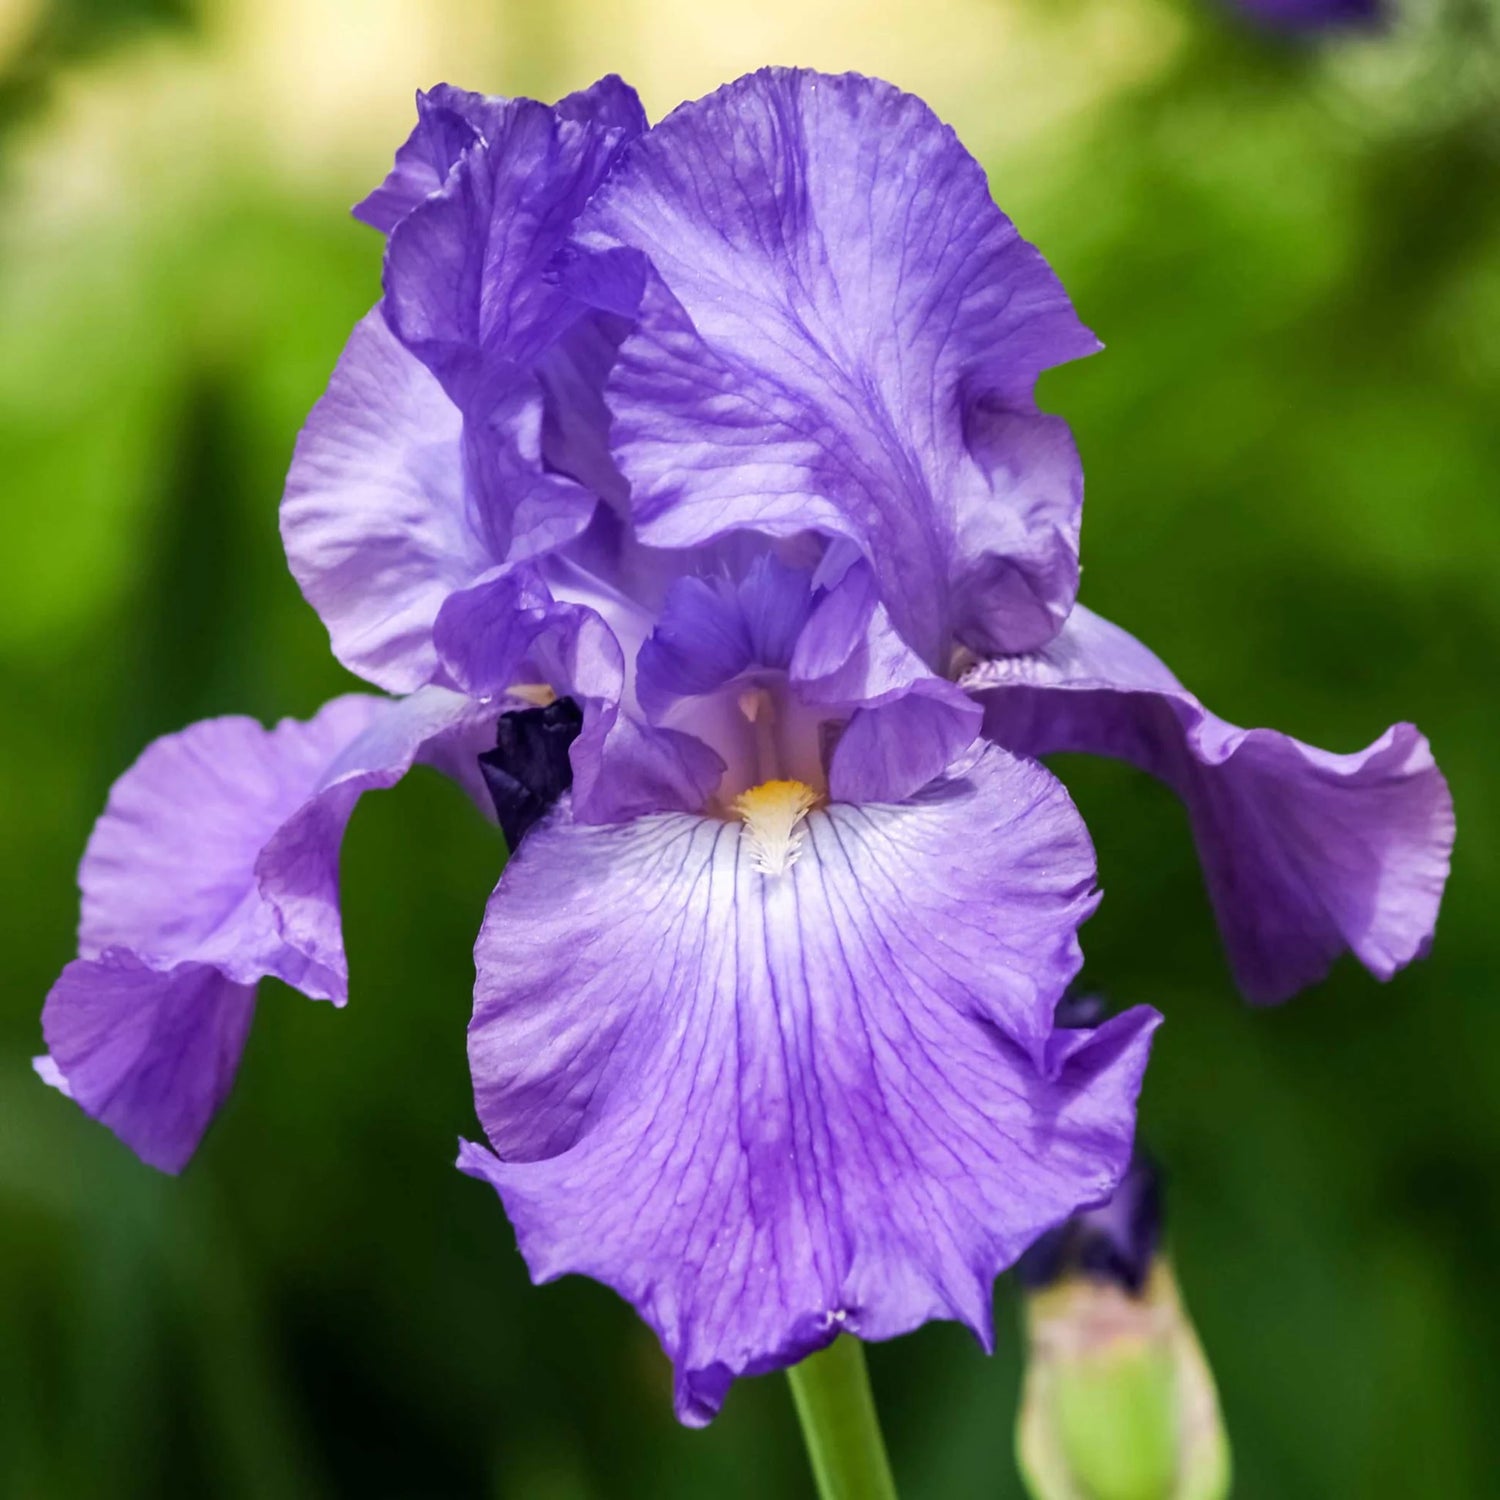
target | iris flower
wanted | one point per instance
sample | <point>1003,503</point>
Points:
<point>687,492</point>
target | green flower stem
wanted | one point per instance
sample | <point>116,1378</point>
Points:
<point>837,1412</point>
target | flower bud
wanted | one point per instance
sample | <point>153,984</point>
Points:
<point>1118,1401</point>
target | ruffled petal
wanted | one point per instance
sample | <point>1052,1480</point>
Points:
<point>767,1109</point>
<point>297,872</point>
<point>465,281</point>
<point>450,120</point>
<point>840,331</point>
<point>215,864</point>
<point>1305,853</point>
<point>377,528</point>
<point>464,424</point>
<point>170,870</point>
<point>151,1054</point>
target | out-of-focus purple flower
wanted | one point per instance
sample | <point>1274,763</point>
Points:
<point>1313,15</point>
<point>1306,854</point>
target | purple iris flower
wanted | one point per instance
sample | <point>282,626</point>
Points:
<point>677,478</point>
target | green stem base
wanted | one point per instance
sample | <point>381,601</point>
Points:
<point>831,1390</point>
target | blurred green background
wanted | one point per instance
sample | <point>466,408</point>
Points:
<point>1293,253</point>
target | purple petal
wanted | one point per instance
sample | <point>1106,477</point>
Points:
<point>215,864</point>
<point>840,331</point>
<point>377,529</point>
<point>1306,853</point>
<point>630,769</point>
<point>170,870</point>
<point>464,424</point>
<point>151,1054</point>
<point>575,420</point>
<point>297,871</point>
<point>511,627</point>
<point>521,507</point>
<point>767,1109</point>
<point>908,726</point>
<point>465,270</point>
<point>450,120</point>
<point>701,642</point>
<point>710,631</point>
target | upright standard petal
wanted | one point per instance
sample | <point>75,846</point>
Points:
<point>466,278</point>
<point>838,329</point>
<point>215,864</point>
<point>1305,853</point>
<point>469,290</point>
<point>464,427</point>
<point>770,1108</point>
<point>376,520</point>
<point>451,120</point>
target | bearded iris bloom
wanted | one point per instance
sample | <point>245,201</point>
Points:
<point>687,489</point>
<point>763,1032</point>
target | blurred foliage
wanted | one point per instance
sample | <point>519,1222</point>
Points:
<point>1293,252</point>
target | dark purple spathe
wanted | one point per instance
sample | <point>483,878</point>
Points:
<point>1115,1242</point>
<point>1306,854</point>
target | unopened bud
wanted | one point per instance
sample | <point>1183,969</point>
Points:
<point>1118,1401</point>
